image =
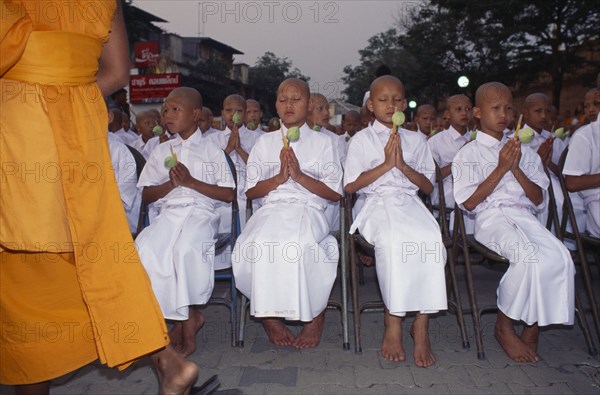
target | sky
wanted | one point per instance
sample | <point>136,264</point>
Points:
<point>318,37</point>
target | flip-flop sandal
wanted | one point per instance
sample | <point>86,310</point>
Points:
<point>208,387</point>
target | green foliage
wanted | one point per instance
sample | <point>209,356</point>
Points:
<point>266,75</point>
<point>513,41</point>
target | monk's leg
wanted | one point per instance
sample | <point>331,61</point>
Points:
<point>420,332</point>
<point>513,346</point>
<point>310,336</point>
<point>277,332</point>
<point>176,375</point>
<point>190,329</point>
<point>391,346</point>
<point>42,388</point>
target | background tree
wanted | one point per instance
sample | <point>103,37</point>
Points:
<point>266,75</point>
<point>514,41</point>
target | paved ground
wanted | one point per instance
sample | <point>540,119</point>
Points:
<point>260,368</point>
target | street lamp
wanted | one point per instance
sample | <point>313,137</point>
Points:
<point>463,81</point>
<point>412,105</point>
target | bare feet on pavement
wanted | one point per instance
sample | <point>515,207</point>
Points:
<point>530,336</point>
<point>423,355</point>
<point>277,332</point>
<point>391,346</point>
<point>176,375</point>
<point>512,344</point>
<point>190,329</point>
<point>310,336</point>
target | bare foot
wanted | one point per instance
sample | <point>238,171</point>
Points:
<point>176,336</point>
<point>366,259</point>
<point>530,336</point>
<point>391,346</point>
<point>176,375</point>
<point>423,355</point>
<point>310,336</point>
<point>277,332</point>
<point>190,329</point>
<point>513,346</point>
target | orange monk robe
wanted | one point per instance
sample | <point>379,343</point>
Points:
<point>72,288</point>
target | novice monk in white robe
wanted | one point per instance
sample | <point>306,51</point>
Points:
<point>388,169</point>
<point>285,261</point>
<point>504,186</point>
<point>177,248</point>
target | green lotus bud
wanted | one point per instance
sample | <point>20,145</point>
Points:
<point>473,135</point>
<point>170,162</point>
<point>293,133</point>
<point>251,126</point>
<point>236,118</point>
<point>348,138</point>
<point>560,133</point>
<point>526,135</point>
<point>316,128</point>
<point>276,124</point>
<point>398,118</point>
<point>433,132</point>
<point>158,130</point>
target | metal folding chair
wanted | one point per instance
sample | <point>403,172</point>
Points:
<point>582,240</point>
<point>356,240</point>
<point>342,238</point>
<point>468,242</point>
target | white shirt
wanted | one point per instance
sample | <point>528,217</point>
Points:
<point>584,157</point>
<point>477,159</point>
<point>247,140</point>
<point>145,148</point>
<point>205,161</point>
<point>366,151</point>
<point>124,167</point>
<point>316,156</point>
<point>124,136</point>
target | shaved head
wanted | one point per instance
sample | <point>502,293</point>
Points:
<point>297,83</point>
<point>189,95</point>
<point>317,96</point>
<point>491,92</point>
<point>424,108</point>
<point>536,98</point>
<point>385,80</point>
<point>457,99</point>
<point>236,98</point>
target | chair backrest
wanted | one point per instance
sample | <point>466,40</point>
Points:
<point>443,210</point>
<point>140,161</point>
<point>235,210</point>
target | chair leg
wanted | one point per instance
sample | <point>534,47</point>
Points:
<point>455,290</point>
<point>584,326</point>
<point>243,308</point>
<point>472,295</point>
<point>233,312</point>
<point>355,302</point>
<point>344,279</point>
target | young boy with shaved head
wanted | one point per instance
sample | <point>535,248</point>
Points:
<point>186,178</point>
<point>285,261</point>
<point>387,170</point>
<point>503,185</point>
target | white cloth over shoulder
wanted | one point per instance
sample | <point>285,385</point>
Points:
<point>285,261</point>
<point>332,212</point>
<point>177,248</point>
<point>409,252</point>
<point>125,169</point>
<point>584,158</point>
<point>538,286</point>
<point>145,148</point>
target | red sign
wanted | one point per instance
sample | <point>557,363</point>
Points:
<point>146,53</point>
<point>152,88</point>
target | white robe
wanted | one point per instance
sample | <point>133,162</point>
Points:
<point>247,140</point>
<point>558,146</point>
<point>145,148</point>
<point>125,169</point>
<point>538,286</point>
<point>409,252</point>
<point>285,261</point>
<point>584,158</point>
<point>177,248</point>
<point>332,212</point>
